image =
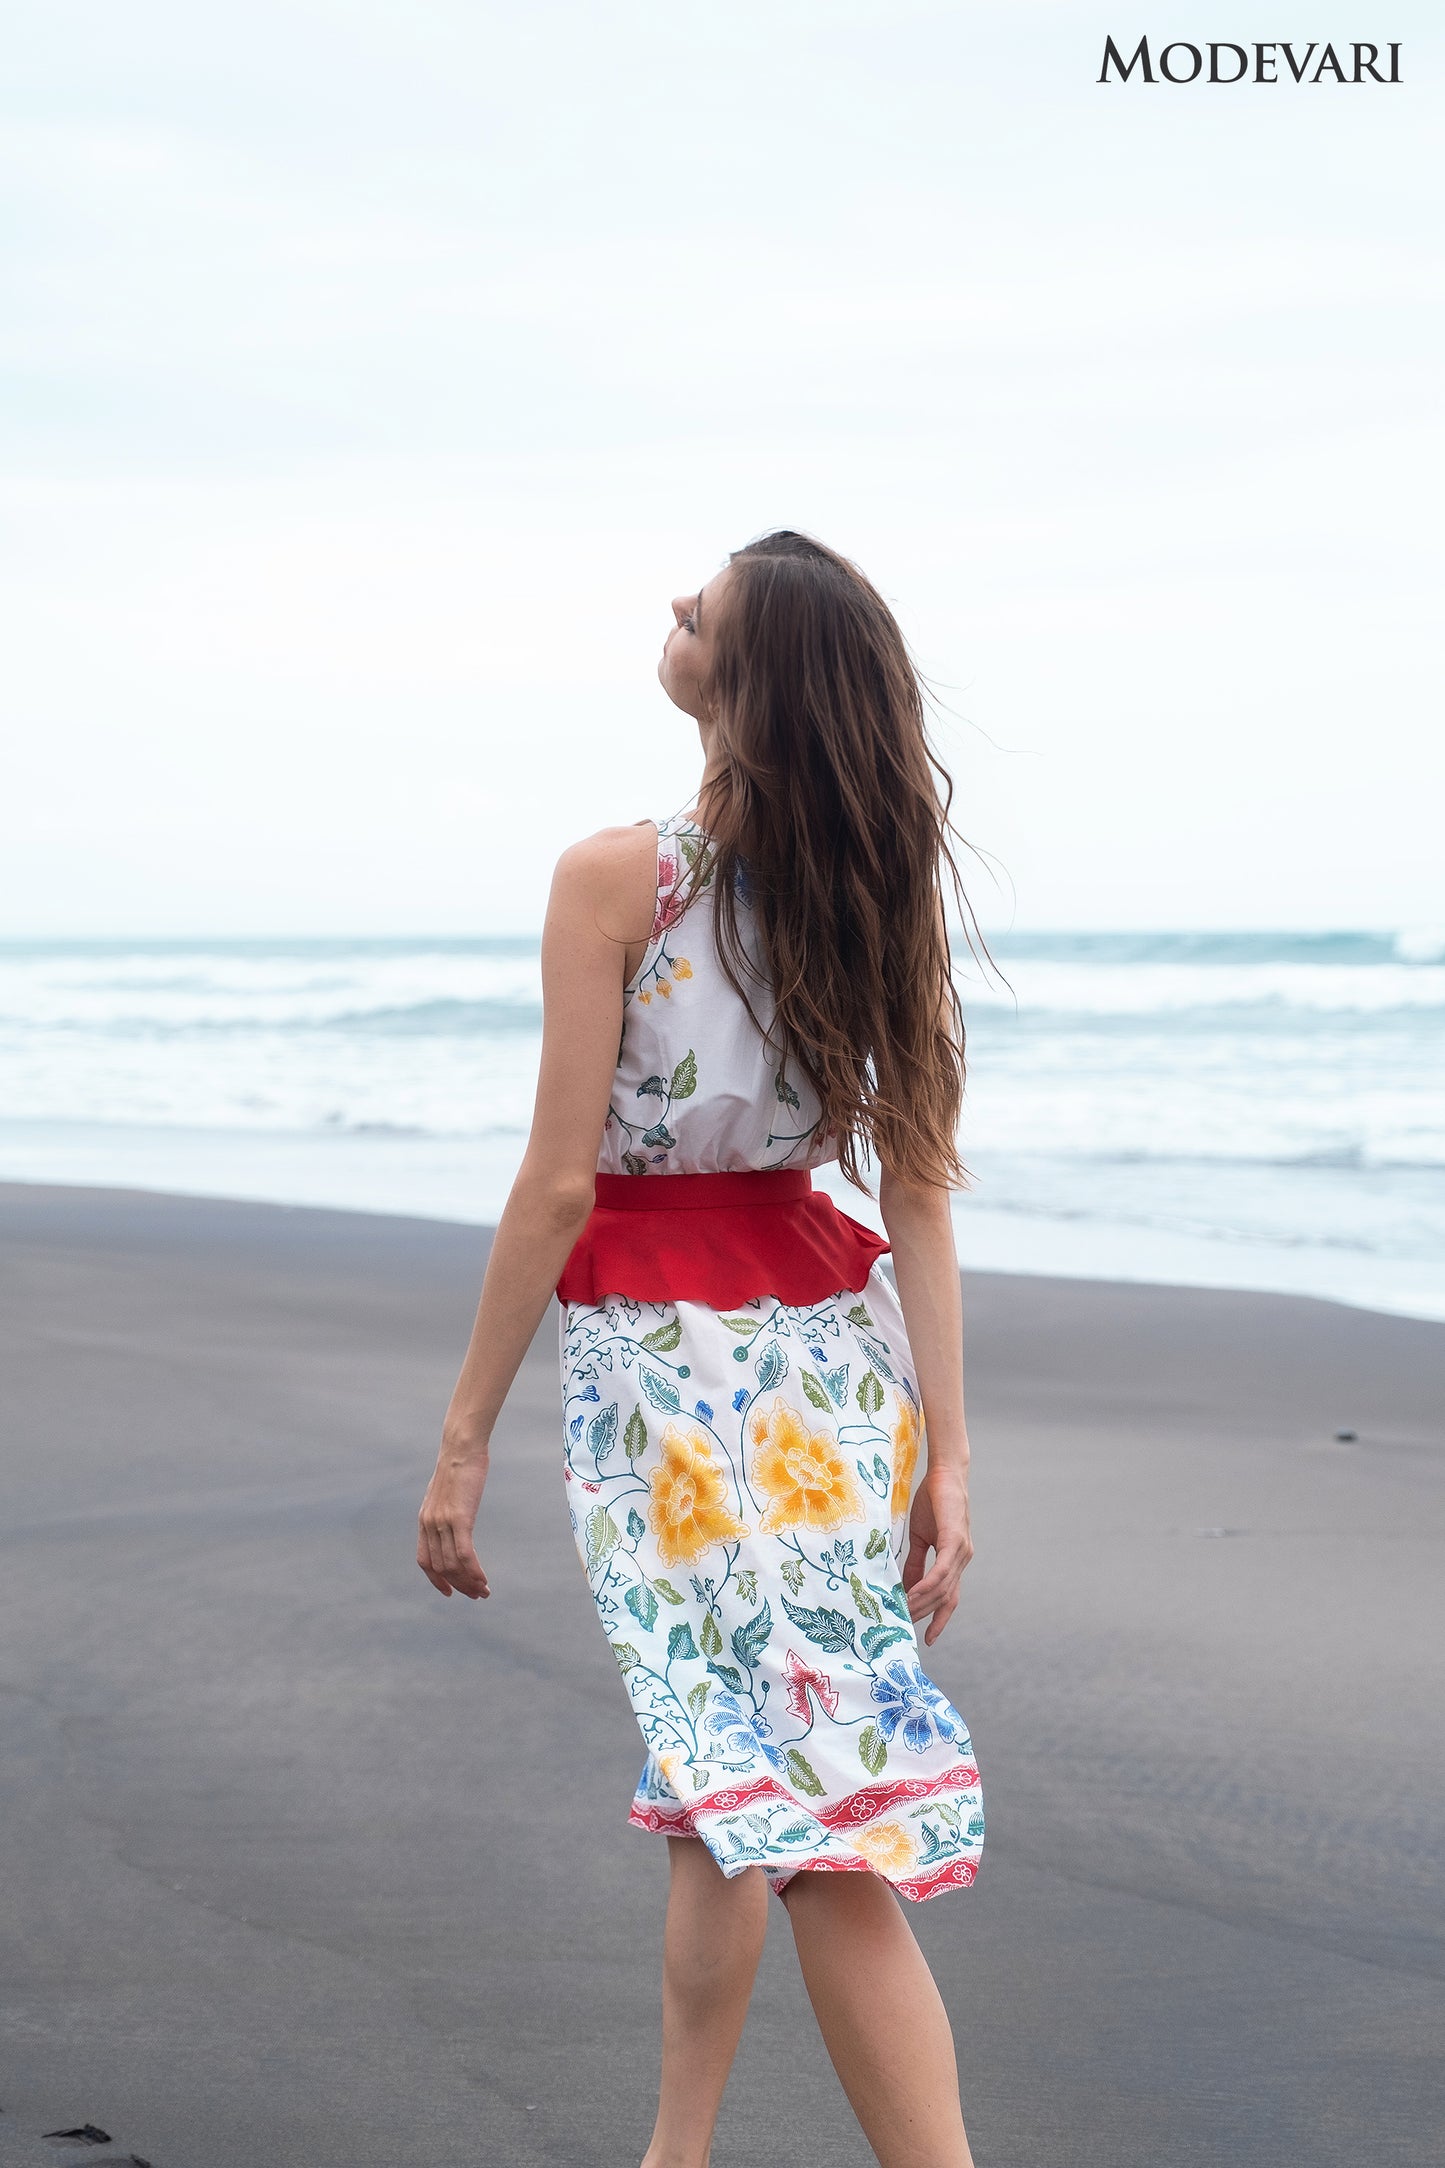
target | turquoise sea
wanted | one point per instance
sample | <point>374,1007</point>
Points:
<point>1245,1109</point>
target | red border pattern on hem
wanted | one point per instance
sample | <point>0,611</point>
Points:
<point>953,1874</point>
<point>855,1812</point>
<point>850,1813</point>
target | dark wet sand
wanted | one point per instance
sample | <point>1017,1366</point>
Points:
<point>303,1865</point>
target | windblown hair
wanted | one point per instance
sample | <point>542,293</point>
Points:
<point>829,812</point>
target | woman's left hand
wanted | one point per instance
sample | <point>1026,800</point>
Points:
<point>444,1548</point>
<point>938,1523</point>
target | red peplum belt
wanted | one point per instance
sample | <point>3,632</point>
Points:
<point>718,1238</point>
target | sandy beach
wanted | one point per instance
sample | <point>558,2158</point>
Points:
<point>304,1865</point>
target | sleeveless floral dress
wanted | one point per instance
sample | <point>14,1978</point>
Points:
<point>740,1482</point>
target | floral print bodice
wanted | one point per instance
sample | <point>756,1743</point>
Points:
<point>698,1090</point>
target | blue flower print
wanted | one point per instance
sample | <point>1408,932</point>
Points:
<point>700,1407</point>
<point>906,1697</point>
<point>743,1732</point>
<point>740,1397</point>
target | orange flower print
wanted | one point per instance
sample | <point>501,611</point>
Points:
<point>905,1456</point>
<point>886,1846</point>
<point>644,997</point>
<point>805,1474</point>
<point>672,1763</point>
<point>681,968</point>
<point>688,1512</point>
<point>664,987</point>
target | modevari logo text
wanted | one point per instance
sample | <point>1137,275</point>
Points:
<point>1190,63</point>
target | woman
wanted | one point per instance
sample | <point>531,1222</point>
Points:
<point>745,1393</point>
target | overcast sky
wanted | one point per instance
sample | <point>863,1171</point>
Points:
<point>375,373</point>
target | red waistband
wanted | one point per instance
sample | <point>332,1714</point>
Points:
<point>763,1231</point>
<point>673,1192</point>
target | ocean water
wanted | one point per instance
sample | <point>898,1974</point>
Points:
<point>1255,1110</point>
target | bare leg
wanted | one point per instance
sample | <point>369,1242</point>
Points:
<point>710,1951</point>
<point>881,2016</point>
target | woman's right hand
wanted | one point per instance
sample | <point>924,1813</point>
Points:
<point>444,1548</point>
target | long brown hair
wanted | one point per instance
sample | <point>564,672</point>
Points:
<point>828,812</point>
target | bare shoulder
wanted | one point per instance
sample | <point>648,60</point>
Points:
<point>612,876</point>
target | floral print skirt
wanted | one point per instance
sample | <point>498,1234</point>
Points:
<point>739,1485</point>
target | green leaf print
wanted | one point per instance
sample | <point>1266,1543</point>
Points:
<point>684,1076</point>
<point>803,1774</point>
<point>634,1437</point>
<point>697,1698</point>
<point>750,1640</point>
<point>660,1391</point>
<point>934,1846</point>
<point>663,1338</point>
<point>636,1525</point>
<point>641,1602</point>
<point>831,1630</point>
<point>858,1315</point>
<point>602,1433</point>
<point>879,1638</point>
<point>740,1324</point>
<point>896,1599</point>
<point>680,1642</point>
<point>603,1537</point>
<point>748,1585</point>
<point>876,1545</point>
<point>711,1636</point>
<point>626,1654</point>
<point>772,1366</point>
<point>866,1606</point>
<point>730,1678</point>
<point>795,1833</point>
<point>793,1574</point>
<point>666,1590</point>
<point>872,1750</point>
<point>875,1355</point>
<point>814,1390</point>
<point>882,1471</point>
<point>837,1384</point>
<point>869,1395</point>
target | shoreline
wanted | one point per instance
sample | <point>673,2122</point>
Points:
<point>1424,1310</point>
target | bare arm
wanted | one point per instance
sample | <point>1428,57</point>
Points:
<point>925,1268</point>
<point>603,893</point>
